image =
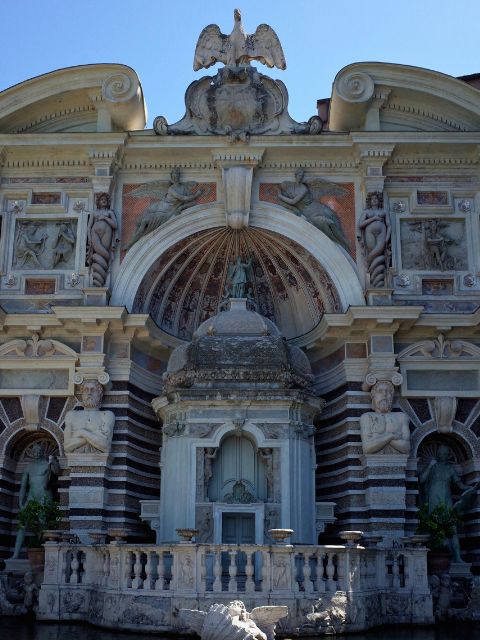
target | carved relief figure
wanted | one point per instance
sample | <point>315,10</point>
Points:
<point>383,431</point>
<point>169,199</point>
<point>434,245</point>
<point>89,430</point>
<point>28,246</point>
<point>64,244</point>
<point>35,484</point>
<point>102,225</point>
<point>301,197</point>
<point>437,482</point>
<point>238,48</point>
<point>375,232</point>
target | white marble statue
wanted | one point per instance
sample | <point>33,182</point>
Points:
<point>382,430</point>
<point>238,48</point>
<point>91,429</point>
<point>375,232</point>
<point>233,622</point>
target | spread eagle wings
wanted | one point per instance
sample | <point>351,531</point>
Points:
<point>211,47</point>
<point>265,47</point>
<point>319,188</point>
<point>156,190</point>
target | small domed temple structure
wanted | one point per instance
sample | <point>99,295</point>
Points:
<point>239,354</point>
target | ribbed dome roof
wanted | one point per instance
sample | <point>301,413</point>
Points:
<point>238,321</point>
<point>237,346</point>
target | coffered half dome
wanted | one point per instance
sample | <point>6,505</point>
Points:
<point>187,284</point>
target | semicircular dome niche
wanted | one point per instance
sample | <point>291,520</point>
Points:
<point>187,284</point>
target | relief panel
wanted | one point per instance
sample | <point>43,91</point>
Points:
<point>433,245</point>
<point>42,244</point>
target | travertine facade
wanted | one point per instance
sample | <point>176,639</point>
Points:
<point>347,247</point>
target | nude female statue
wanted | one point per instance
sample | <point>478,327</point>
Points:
<point>375,230</point>
<point>101,227</point>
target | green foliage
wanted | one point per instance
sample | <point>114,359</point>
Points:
<point>440,524</point>
<point>38,516</point>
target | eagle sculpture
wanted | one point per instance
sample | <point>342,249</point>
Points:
<point>238,48</point>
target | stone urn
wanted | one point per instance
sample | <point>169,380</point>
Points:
<point>419,540</point>
<point>351,537</point>
<point>119,536</point>
<point>97,537</point>
<point>52,535</point>
<point>280,535</point>
<point>187,535</point>
<point>373,541</point>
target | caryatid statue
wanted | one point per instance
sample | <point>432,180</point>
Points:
<point>382,430</point>
<point>102,225</point>
<point>89,430</point>
<point>437,482</point>
<point>375,233</point>
<point>35,485</point>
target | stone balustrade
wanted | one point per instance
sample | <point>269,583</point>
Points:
<point>143,581</point>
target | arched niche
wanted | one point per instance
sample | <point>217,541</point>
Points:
<point>178,272</point>
<point>16,458</point>
<point>239,473</point>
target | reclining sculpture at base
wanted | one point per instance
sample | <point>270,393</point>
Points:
<point>233,622</point>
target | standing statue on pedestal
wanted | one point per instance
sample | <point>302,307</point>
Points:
<point>436,483</point>
<point>35,485</point>
<point>238,277</point>
<point>102,225</point>
<point>89,430</point>
<point>302,197</point>
<point>382,430</point>
<point>375,231</point>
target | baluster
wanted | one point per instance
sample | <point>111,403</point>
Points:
<point>232,571</point>
<point>160,581</point>
<point>65,566</point>
<point>202,587</point>
<point>128,569</point>
<point>331,586</point>
<point>341,581</point>
<point>320,583</point>
<point>249,583</point>
<point>74,565</point>
<point>148,571</point>
<point>294,576</point>
<point>307,574</point>
<point>396,572</point>
<point>266,572</point>
<point>217,571</point>
<point>105,569</point>
<point>137,570</point>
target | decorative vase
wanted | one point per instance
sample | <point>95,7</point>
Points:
<point>280,535</point>
<point>187,535</point>
<point>351,537</point>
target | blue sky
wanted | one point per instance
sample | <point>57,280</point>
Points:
<point>157,38</point>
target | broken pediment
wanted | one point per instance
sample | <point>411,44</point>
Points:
<point>376,96</point>
<point>87,98</point>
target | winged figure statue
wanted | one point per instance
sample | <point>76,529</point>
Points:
<point>302,197</point>
<point>238,48</point>
<point>168,200</point>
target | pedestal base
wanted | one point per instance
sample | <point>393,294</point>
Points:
<point>460,569</point>
<point>18,566</point>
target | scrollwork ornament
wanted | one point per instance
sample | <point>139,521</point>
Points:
<point>118,88</point>
<point>355,87</point>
